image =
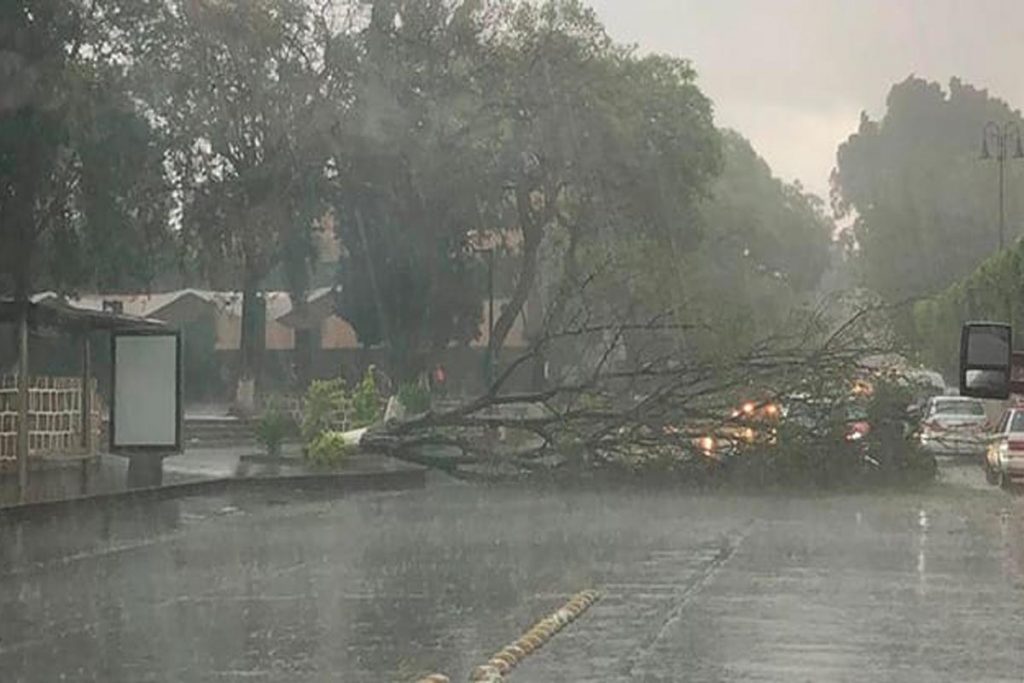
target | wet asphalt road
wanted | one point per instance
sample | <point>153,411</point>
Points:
<point>922,586</point>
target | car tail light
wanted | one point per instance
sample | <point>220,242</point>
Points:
<point>707,445</point>
<point>933,425</point>
<point>857,431</point>
<point>1016,445</point>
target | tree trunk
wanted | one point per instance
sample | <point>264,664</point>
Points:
<point>532,222</point>
<point>252,343</point>
<point>23,396</point>
<point>22,268</point>
<point>524,283</point>
<point>378,301</point>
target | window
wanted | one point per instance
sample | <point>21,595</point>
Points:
<point>961,407</point>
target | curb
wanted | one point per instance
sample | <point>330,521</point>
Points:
<point>344,482</point>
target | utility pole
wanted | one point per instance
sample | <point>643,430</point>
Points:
<point>1000,138</point>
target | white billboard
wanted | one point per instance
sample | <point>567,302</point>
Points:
<point>145,413</point>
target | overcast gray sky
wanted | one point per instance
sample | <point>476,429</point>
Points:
<point>794,75</point>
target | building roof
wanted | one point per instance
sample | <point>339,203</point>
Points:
<point>175,306</point>
<point>319,305</point>
<point>53,312</point>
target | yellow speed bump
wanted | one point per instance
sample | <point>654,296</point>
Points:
<point>484,673</point>
<point>515,651</point>
<point>507,657</point>
<point>526,645</point>
<point>500,664</point>
<point>534,639</point>
<point>533,642</point>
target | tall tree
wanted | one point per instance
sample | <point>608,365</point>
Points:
<point>237,86</point>
<point>764,246</point>
<point>775,227</point>
<point>598,141</point>
<point>83,197</point>
<point>520,122</point>
<point>415,163</point>
<point>923,205</point>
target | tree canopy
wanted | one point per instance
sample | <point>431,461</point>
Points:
<point>502,123</point>
<point>923,205</point>
<point>83,194</point>
<point>236,87</point>
<point>994,291</point>
<point>777,228</point>
<point>764,246</point>
<point>602,142</point>
<point>422,131</point>
<point>414,163</point>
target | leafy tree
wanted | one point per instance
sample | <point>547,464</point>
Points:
<point>923,205</point>
<point>83,198</point>
<point>993,291</point>
<point>763,248</point>
<point>415,172</point>
<point>524,123</point>
<point>237,85</point>
<point>598,141</point>
<point>776,228</point>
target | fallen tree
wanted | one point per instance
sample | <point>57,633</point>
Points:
<point>635,398</point>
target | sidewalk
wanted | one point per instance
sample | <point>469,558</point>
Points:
<point>213,463</point>
<point>235,465</point>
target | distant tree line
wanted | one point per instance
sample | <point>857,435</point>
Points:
<point>994,291</point>
<point>923,212</point>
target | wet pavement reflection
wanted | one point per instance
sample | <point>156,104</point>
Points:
<point>912,586</point>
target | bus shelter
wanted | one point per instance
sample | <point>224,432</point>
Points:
<point>44,410</point>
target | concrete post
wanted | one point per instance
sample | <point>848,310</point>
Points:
<point>23,380</point>
<point>86,401</point>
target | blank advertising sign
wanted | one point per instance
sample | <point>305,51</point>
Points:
<point>146,408</point>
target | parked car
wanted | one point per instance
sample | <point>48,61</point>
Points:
<point>1004,458</point>
<point>953,425</point>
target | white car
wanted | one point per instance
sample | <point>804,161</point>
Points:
<point>1004,461</point>
<point>953,425</point>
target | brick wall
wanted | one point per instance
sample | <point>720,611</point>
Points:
<point>54,418</point>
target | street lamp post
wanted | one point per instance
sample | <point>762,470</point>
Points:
<point>1000,137</point>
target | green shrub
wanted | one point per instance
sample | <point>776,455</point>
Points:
<point>366,404</point>
<point>327,407</point>
<point>329,450</point>
<point>415,398</point>
<point>273,427</point>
